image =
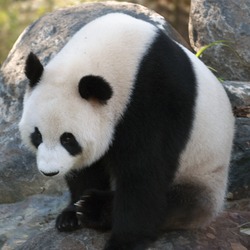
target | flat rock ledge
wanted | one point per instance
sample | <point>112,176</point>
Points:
<point>222,234</point>
<point>29,225</point>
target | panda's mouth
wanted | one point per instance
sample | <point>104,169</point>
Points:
<point>49,173</point>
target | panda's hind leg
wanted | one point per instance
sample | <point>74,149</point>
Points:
<point>190,206</point>
<point>81,182</point>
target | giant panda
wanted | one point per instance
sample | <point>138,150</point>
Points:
<point>139,127</point>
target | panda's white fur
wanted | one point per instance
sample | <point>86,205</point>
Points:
<point>207,154</point>
<point>90,51</point>
<point>113,47</point>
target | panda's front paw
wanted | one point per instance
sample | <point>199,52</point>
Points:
<point>94,209</point>
<point>67,220</point>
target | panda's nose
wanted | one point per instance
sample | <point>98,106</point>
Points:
<point>50,173</point>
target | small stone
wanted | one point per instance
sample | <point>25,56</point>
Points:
<point>237,246</point>
<point>211,236</point>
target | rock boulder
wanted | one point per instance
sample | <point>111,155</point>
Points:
<point>214,20</point>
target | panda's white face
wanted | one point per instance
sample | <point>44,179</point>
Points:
<point>74,103</point>
<point>54,126</point>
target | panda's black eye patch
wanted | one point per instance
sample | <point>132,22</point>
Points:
<point>70,143</point>
<point>36,137</point>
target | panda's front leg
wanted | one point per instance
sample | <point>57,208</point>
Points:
<point>67,220</point>
<point>79,182</point>
<point>138,212</point>
<point>94,209</point>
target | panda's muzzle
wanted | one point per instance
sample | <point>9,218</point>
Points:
<point>50,173</point>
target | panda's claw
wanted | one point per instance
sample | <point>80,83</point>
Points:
<point>78,203</point>
<point>79,213</point>
<point>85,196</point>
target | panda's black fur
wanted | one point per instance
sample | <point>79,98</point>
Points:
<point>137,187</point>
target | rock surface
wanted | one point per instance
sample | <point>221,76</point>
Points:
<point>238,93</point>
<point>45,37</point>
<point>213,20</point>
<point>239,178</point>
<point>22,220</point>
<point>29,225</point>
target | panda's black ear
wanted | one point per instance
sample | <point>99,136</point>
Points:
<point>95,87</point>
<point>33,69</point>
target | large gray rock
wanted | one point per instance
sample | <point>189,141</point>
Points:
<point>22,220</point>
<point>29,225</point>
<point>45,37</point>
<point>239,178</point>
<point>213,20</point>
<point>213,237</point>
<point>239,94</point>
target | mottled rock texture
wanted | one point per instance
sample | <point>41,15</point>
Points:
<point>239,178</point>
<point>38,233</point>
<point>29,225</point>
<point>214,20</point>
<point>238,93</point>
<point>25,219</point>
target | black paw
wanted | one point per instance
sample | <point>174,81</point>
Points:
<point>94,209</point>
<point>67,220</point>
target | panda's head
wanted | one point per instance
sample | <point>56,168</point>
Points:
<point>68,127</point>
<point>74,103</point>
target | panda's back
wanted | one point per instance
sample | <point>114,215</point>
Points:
<point>111,46</point>
<point>207,154</point>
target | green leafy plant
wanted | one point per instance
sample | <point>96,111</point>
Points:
<point>223,43</point>
<point>219,42</point>
<point>216,43</point>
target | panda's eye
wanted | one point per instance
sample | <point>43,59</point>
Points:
<point>70,143</point>
<point>67,138</point>
<point>36,138</point>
